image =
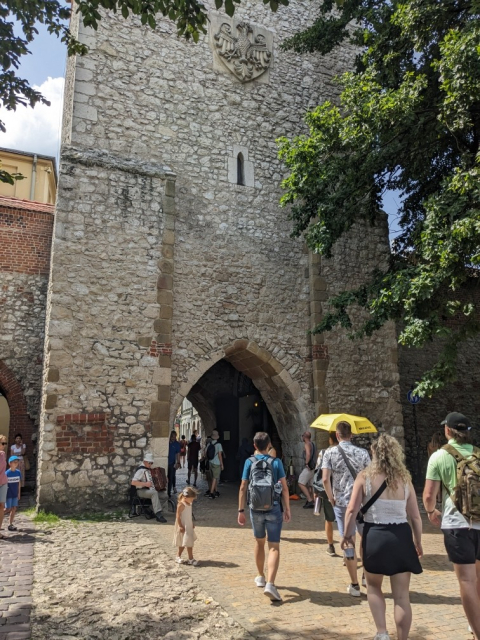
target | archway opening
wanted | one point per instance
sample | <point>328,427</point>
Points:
<point>4,415</point>
<point>227,400</point>
<point>224,387</point>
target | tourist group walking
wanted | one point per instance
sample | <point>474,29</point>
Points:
<point>368,494</point>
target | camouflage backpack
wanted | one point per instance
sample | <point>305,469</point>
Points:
<point>466,495</point>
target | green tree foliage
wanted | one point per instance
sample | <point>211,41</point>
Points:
<point>190,17</point>
<point>408,119</point>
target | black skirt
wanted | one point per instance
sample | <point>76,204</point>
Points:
<point>388,549</point>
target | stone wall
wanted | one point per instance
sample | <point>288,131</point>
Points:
<point>98,384</point>
<point>25,241</point>
<point>155,281</point>
<point>361,376</point>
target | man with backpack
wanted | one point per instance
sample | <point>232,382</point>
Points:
<point>214,458</point>
<point>305,478</point>
<point>263,479</point>
<point>455,470</point>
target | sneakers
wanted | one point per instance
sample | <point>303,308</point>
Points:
<point>309,505</point>
<point>217,495</point>
<point>178,560</point>
<point>160,517</point>
<point>211,496</point>
<point>206,494</point>
<point>192,562</point>
<point>354,590</point>
<point>382,636</point>
<point>11,527</point>
<point>260,581</point>
<point>271,592</point>
<point>364,582</point>
<point>331,550</point>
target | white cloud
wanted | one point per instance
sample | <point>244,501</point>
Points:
<point>36,130</point>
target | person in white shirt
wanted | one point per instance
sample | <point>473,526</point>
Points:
<point>145,489</point>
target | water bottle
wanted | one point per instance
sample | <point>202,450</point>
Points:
<point>349,552</point>
<point>318,506</point>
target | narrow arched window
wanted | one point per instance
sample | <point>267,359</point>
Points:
<point>240,169</point>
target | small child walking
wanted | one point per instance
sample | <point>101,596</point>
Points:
<point>14,479</point>
<point>184,534</point>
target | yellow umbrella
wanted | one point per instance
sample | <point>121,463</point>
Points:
<point>329,421</point>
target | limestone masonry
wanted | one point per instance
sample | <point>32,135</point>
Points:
<point>173,273</point>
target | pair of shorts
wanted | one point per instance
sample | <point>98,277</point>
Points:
<point>215,470</point>
<point>327,509</point>
<point>306,477</point>
<point>462,545</point>
<point>11,502</point>
<point>3,493</point>
<point>192,465</point>
<point>340,518</point>
<point>267,523</point>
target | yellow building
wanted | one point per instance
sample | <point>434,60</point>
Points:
<point>40,176</point>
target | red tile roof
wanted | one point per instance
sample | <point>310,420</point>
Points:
<point>28,205</point>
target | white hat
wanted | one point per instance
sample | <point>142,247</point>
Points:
<point>148,457</point>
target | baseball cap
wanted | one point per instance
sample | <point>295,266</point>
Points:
<point>457,421</point>
<point>12,458</point>
<point>148,457</point>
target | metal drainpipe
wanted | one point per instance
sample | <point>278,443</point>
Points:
<point>34,177</point>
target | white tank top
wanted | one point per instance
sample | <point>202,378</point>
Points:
<point>386,511</point>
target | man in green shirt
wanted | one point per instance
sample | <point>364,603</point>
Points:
<point>461,537</point>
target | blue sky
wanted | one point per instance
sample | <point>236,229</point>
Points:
<point>47,59</point>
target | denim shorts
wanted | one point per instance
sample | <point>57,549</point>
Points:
<point>340,518</point>
<point>267,523</point>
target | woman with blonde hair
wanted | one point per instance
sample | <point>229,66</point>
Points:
<point>386,491</point>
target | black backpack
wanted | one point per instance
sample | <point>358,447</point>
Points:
<point>211,451</point>
<point>261,487</point>
<point>313,461</point>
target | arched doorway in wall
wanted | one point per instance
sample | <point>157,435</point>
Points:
<point>4,415</point>
<point>12,394</point>
<point>243,389</point>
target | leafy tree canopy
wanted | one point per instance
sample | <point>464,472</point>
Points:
<point>190,17</point>
<point>408,120</point>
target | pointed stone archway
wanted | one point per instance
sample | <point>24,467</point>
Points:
<point>281,393</point>
<point>20,421</point>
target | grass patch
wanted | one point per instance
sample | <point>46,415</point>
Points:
<point>42,517</point>
<point>96,516</point>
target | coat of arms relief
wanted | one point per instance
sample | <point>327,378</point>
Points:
<point>243,48</point>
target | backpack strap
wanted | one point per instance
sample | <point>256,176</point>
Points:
<point>374,498</point>
<point>347,462</point>
<point>453,452</point>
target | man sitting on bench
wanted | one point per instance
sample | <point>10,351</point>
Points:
<point>145,489</point>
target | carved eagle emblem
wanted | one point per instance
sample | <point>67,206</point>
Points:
<point>246,56</point>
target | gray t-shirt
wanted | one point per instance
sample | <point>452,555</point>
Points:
<point>342,479</point>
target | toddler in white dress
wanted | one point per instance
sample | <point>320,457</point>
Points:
<point>184,534</point>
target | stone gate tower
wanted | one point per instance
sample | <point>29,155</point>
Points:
<point>173,270</point>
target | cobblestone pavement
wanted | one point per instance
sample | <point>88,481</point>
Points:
<point>118,581</point>
<point>16,578</point>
